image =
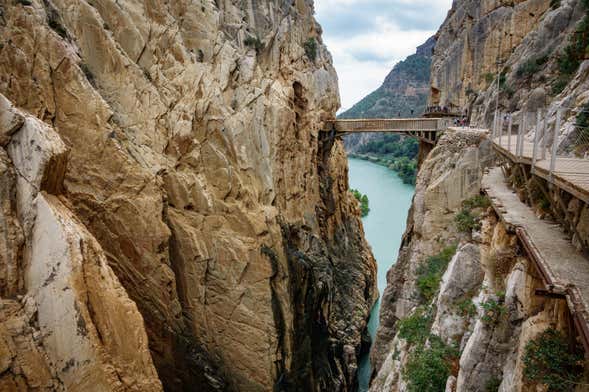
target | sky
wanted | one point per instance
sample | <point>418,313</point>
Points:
<point>368,37</point>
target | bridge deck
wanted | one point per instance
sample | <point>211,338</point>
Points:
<point>570,174</point>
<point>388,125</point>
<point>426,129</point>
<point>564,269</point>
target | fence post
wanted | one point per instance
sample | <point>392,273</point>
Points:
<point>509,124</point>
<point>536,136</point>
<point>554,144</point>
<point>520,136</point>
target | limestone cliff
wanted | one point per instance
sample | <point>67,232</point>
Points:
<point>517,56</point>
<point>171,216</point>
<point>461,302</point>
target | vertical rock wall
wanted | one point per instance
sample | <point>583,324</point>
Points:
<point>187,151</point>
<point>505,54</point>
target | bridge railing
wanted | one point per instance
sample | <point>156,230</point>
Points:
<point>399,124</point>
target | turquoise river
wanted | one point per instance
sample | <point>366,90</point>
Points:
<point>389,202</point>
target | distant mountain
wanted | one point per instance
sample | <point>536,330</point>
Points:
<point>404,89</point>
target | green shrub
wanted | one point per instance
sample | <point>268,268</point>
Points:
<point>311,48</point>
<point>554,4</point>
<point>466,307</point>
<point>363,199</point>
<point>582,119</point>
<point>559,84</point>
<point>493,310</point>
<point>549,360</point>
<point>428,368</point>
<point>489,77</point>
<point>466,221</point>
<point>429,273</point>
<point>574,53</point>
<point>253,42</point>
<point>478,201</point>
<point>415,327</point>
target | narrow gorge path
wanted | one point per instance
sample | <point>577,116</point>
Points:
<point>565,270</point>
<point>389,201</point>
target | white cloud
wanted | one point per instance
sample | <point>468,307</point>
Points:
<point>368,37</point>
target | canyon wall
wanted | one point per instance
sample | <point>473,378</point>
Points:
<point>517,56</point>
<point>461,304</point>
<point>462,297</point>
<point>171,215</point>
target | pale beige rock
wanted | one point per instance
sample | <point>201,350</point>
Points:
<point>195,161</point>
<point>10,120</point>
<point>92,332</point>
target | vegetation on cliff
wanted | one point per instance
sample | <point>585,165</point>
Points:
<point>574,53</point>
<point>429,273</point>
<point>363,200</point>
<point>550,360</point>
<point>431,359</point>
<point>468,218</point>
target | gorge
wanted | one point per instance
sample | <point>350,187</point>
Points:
<point>175,213</point>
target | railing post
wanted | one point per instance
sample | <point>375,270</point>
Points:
<point>543,140</point>
<point>554,144</point>
<point>520,135</point>
<point>509,125</point>
<point>501,127</point>
<point>536,136</point>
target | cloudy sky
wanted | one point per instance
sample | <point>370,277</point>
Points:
<point>367,37</point>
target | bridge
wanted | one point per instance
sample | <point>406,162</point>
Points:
<point>425,129</point>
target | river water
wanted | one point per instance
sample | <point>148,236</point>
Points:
<point>389,202</point>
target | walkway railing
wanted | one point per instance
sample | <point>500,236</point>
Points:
<point>529,138</point>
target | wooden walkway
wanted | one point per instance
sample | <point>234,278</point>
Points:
<point>565,271</point>
<point>570,174</point>
<point>426,129</point>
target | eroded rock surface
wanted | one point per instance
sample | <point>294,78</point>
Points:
<point>180,142</point>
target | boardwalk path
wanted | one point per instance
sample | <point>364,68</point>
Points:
<point>570,174</point>
<point>564,269</point>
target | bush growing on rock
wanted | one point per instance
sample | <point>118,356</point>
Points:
<point>254,42</point>
<point>493,310</point>
<point>415,328</point>
<point>429,273</point>
<point>363,199</point>
<point>466,221</point>
<point>311,48</point>
<point>549,360</point>
<point>428,368</point>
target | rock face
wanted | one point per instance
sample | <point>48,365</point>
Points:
<point>165,188</point>
<point>486,306</point>
<point>520,41</point>
<point>452,173</point>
